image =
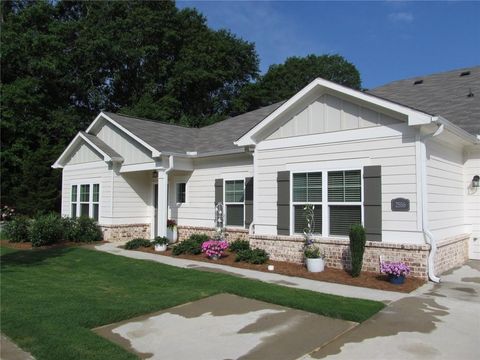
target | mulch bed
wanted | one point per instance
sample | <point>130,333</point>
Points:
<point>62,244</point>
<point>366,279</point>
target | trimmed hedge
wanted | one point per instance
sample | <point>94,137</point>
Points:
<point>46,230</point>
<point>357,248</point>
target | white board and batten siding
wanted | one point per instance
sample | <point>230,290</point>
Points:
<point>199,208</point>
<point>446,189</point>
<point>132,151</point>
<point>363,138</point>
<point>472,201</point>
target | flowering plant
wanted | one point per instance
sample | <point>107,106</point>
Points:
<point>394,268</point>
<point>171,224</point>
<point>7,213</point>
<point>214,247</point>
<point>313,252</point>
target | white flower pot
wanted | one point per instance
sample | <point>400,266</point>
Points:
<point>315,265</point>
<point>159,247</point>
<point>172,235</point>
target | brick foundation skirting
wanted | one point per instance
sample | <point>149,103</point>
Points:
<point>231,234</point>
<point>125,232</point>
<point>451,252</point>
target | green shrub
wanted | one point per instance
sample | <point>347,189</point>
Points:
<point>17,229</point>
<point>252,256</point>
<point>193,245</point>
<point>357,248</point>
<point>160,240</point>
<point>239,245</point>
<point>69,229</point>
<point>46,230</point>
<point>87,230</point>
<point>137,243</point>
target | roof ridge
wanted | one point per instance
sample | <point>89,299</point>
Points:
<point>149,120</point>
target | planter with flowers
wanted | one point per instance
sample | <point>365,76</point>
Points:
<point>214,249</point>
<point>314,258</point>
<point>160,243</point>
<point>396,271</point>
<point>172,233</point>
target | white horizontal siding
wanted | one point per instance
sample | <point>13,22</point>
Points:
<point>199,210</point>
<point>446,190</point>
<point>396,155</point>
<point>95,172</point>
<point>472,201</point>
<point>132,198</point>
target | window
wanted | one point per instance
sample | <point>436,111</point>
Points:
<point>181,192</point>
<point>344,200</point>
<point>307,189</point>
<point>234,202</point>
<point>85,200</point>
<point>74,202</point>
<point>336,197</point>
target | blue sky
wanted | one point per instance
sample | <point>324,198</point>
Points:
<point>386,40</point>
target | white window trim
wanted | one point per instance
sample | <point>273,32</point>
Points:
<point>325,203</point>
<point>176,192</point>
<point>225,203</point>
<point>90,197</point>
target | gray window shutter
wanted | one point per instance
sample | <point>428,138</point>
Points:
<point>283,203</point>
<point>248,201</point>
<point>218,191</point>
<point>372,191</point>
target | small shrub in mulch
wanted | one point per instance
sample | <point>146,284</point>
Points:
<point>239,245</point>
<point>193,245</point>
<point>252,256</point>
<point>137,243</point>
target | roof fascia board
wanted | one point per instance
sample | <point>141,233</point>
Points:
<point>414,117</point>
<point>76,140</point>
<point>454,129</point>
<point>155,152</point>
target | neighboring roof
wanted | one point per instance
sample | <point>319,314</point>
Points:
<point>447,94</point>
<point>179,139</point>
<point>103,147</point>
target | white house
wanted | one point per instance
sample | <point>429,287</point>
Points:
<point>402,159</point>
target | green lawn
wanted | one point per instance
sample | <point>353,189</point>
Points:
<point>50,299</point>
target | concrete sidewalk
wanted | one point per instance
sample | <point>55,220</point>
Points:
<point>10,351</point>
<point>290,281</point>
<point>438,321</point>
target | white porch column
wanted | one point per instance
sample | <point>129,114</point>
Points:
<point>162,203</point>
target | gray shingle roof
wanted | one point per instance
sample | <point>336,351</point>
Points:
<point>179,139</point>
<point>103,146</point>
<point>443,94</point>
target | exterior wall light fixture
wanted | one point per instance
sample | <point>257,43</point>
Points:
<point>476,181</point>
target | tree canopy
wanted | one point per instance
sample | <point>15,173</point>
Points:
<point>62,62</point>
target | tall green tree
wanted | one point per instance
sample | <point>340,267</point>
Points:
<point>282,81</point>
<point>62,62</point>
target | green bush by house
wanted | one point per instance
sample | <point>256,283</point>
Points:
<point>137,243</point>
<point>193,245</point>
<point>252,256</point>
<point>357,248</point>
<point>239,245</point>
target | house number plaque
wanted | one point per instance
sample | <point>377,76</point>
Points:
<point>400,204</point>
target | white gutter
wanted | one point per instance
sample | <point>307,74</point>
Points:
<point>429,237</point>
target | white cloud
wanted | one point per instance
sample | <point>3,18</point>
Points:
<point>401,17</point>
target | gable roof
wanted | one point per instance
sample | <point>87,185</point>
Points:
<point>101,147</point>
<point>443,94</point>
<point>170,138</point>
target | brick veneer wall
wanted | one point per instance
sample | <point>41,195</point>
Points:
<point>451,252</point>
<point>125,232</point>
<point>184,232</point>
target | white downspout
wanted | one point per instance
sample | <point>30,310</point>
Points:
<point>252,224</point>
<point>162,208</point>
<point>429,238</point>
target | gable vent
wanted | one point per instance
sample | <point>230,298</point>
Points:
<point>418,82</point>
<point>465,73</point>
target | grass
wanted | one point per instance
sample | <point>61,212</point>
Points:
<point>50,299</point>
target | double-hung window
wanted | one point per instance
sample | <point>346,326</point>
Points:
<point>85,200</point>
<point>336,197</point>
<point>307,189</point>
<point>234,202</point>
<point>181,193</point>
<point>344,200</point>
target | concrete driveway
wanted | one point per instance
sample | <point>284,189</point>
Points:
<point>436,322</point>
